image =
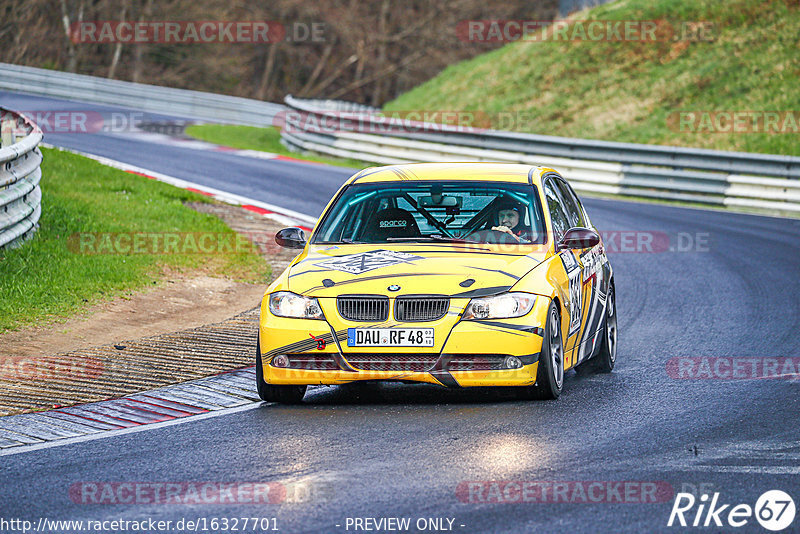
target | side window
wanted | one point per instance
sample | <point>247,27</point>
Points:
<point>571,204</point>
<point>587,222</point>
<point>557,213</point>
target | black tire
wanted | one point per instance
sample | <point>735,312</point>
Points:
<point>273,393</point>
<point>550,373</point>
<point>606,357</point>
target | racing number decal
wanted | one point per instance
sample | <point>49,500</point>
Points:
<point>575,290</point>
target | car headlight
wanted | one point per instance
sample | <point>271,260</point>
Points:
<point>504,306</point>
<point>287,304</point>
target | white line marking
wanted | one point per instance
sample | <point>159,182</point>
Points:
<point>130,430</point>
<point>748,469</point>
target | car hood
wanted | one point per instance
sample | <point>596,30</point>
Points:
<point>457,270</point>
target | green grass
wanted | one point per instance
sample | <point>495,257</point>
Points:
<point>629,91</point>
<point>263,139</point>
<point>48,278</point>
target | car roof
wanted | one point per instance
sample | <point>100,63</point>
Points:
<point>495,172</point>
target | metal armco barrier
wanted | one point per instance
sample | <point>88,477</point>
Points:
<point>138,96</point>
<point>20,173</point>
<point>763,181</point>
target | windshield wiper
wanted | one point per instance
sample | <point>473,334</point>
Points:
<point>345,241</point>
<point>446,239</point>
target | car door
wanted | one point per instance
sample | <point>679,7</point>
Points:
<point>570,260</point>
<point>593,282</point>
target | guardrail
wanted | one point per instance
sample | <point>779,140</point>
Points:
<point>715,177</point>
<point>139,96</point>
<point>20,174</point>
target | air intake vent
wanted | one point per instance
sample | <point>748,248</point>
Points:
<point>417,309</point>
<point>414,363</point>
<point>363,308</point>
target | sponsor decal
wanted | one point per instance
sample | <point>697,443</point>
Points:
<point>367,261</point>
<point>575,295</point>
<point>593,262</point>
<point>320,342</point>
<point>393,224</point>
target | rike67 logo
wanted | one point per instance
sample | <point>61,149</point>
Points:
<point>774,510</point>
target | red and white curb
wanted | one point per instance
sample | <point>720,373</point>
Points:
<point>271,211</point>
<point>224,393</point>
<point>221,394</point>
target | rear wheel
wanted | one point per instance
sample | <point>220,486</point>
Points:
<point>608,350</point>
<point>550,372</point>
<point>271,392</point>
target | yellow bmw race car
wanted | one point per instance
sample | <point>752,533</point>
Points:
<point>457,274</point>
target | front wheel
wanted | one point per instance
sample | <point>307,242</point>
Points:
<point>273,393</point>
<point>550,372</point>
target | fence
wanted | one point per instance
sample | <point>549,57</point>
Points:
<point>714,177</point>
<point>142,97</point>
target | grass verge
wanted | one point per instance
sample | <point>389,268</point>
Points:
<point>262,139</point>
<point>634,91</point>
<point>50,277</point>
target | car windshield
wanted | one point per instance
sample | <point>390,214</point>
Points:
<point>481,212</point>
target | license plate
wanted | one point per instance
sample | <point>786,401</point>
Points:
<point>390,337</point>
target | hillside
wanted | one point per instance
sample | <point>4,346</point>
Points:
<point>747,62</point>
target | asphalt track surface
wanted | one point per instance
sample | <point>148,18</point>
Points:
<point>399,450</point>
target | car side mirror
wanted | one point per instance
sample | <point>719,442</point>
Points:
<point>291,238</point>
<point>578,237</point>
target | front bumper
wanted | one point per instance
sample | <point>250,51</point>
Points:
<point>466,353</point>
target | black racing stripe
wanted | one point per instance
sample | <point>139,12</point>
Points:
<point>521,327</point>
<point>581,345</point>
<point>505,331</point>
<point>410,173</point>
<point>298,346</point>
<point>445,378</point>
<point>367,172</point>
<point>482,292</point>
<point>515,277</point>
<point>310,271</point>
<point>399,174</point>
<point>485,251</point>
<point>339,356</point>
<point>405,173</point>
